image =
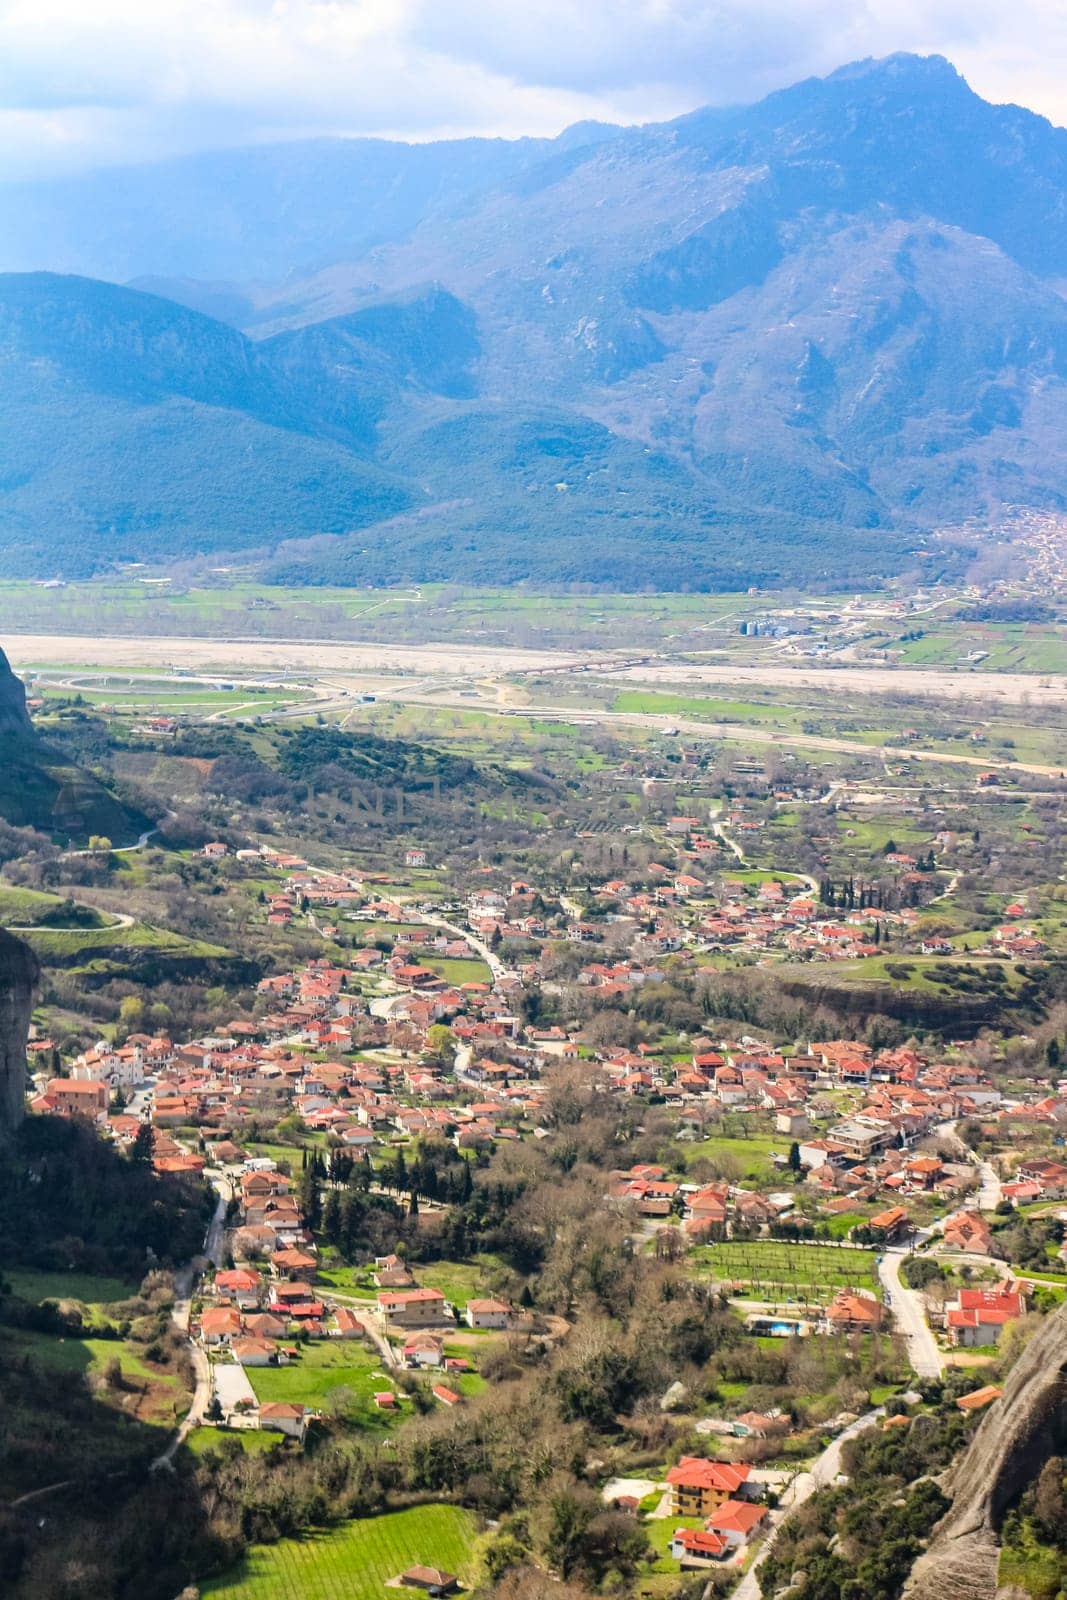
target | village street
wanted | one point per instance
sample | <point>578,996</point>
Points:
<point>823,1470</point>
<point>185,1282</point>
<point>910,1313</point>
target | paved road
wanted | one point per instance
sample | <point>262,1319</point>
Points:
<point>909,1311</point>
<point>498,968</point>
<point>184,1281</point>
<point>823,1470</point>
<point>989,1192</point>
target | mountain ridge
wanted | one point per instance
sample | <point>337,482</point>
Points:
<point>816,330</point>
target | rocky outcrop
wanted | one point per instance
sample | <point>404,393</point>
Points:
<point>19,975</point>
<point>14,718</point>
<point>1017,1435</point>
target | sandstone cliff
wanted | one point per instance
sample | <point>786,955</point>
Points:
<point>14,718</point>
<point>18,980</point>
<point>1009,1449</point>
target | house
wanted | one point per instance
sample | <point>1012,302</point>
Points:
<point>282,1417</point>
<point>969,1232</point>
<point>265,1325</point>
<point>979,1398</point>
<point>215,850</point>
<point>1051,1175</point>
<point>254,1352</point>
<point>73,1098</point>
<point>698,1486</point>
<point>488,1314</point>
<point>891,1224</point>
<point>695,1547</point>
<point>431,1579</point>
<point>736,1521</point>
<point>415,858</point>
<point>239,1286</point>
<point>974,1320</point>
<point>220,1324</point>
<point>424,1350</point>
<point>346,1323</point>
<point>447,1397</point>
<point>293,1264</point>
<point>412,1308</point>
<point>853,1313</point>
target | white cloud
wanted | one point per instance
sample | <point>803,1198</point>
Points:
<point>87,81</point>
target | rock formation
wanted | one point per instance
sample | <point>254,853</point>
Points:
<point>1016,1436</point>
<point>19,974</point>
<point>14,718</point>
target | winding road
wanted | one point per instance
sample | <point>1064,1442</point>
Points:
<point>184,1281</point>
<point>823,1470</point>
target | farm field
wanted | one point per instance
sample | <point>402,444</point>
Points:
<point>354,1562</point>
<point>817,1270</point>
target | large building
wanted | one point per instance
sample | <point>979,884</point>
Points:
<point>698,1486</point>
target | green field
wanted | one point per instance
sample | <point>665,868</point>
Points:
<point>70,944</point>
<point>320,1371</point>
<point>354,1562</point>
<point>458,1281</point>
<point>458,970</point>
<point>799,1269</point>
<point>35,1286</point>
<point>251,1440</point>
<point>748,1160</point>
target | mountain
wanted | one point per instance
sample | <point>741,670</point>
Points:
<point>780,343</point>
<point>252,215</point>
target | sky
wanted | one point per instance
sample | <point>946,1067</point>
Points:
<point>86,83</point>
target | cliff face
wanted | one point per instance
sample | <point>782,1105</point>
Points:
<point>14,718</point>
<point>19,974</point>
<point>1015,1439</point>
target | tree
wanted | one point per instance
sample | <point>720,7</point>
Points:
<point>569,1510</point>
<point>141,1149</point>
<point>1050,1501</point>
<point>331,1216</point>
<point>131,1013</point>
<point>795,1162</point>
<point>309,1197</point>
<point>439,1039</point>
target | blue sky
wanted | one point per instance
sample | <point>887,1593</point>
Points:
<point>91,82</point>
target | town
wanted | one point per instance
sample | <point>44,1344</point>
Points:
<point>783,1035</point>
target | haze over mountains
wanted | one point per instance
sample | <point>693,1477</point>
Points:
<point>772,344</point>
